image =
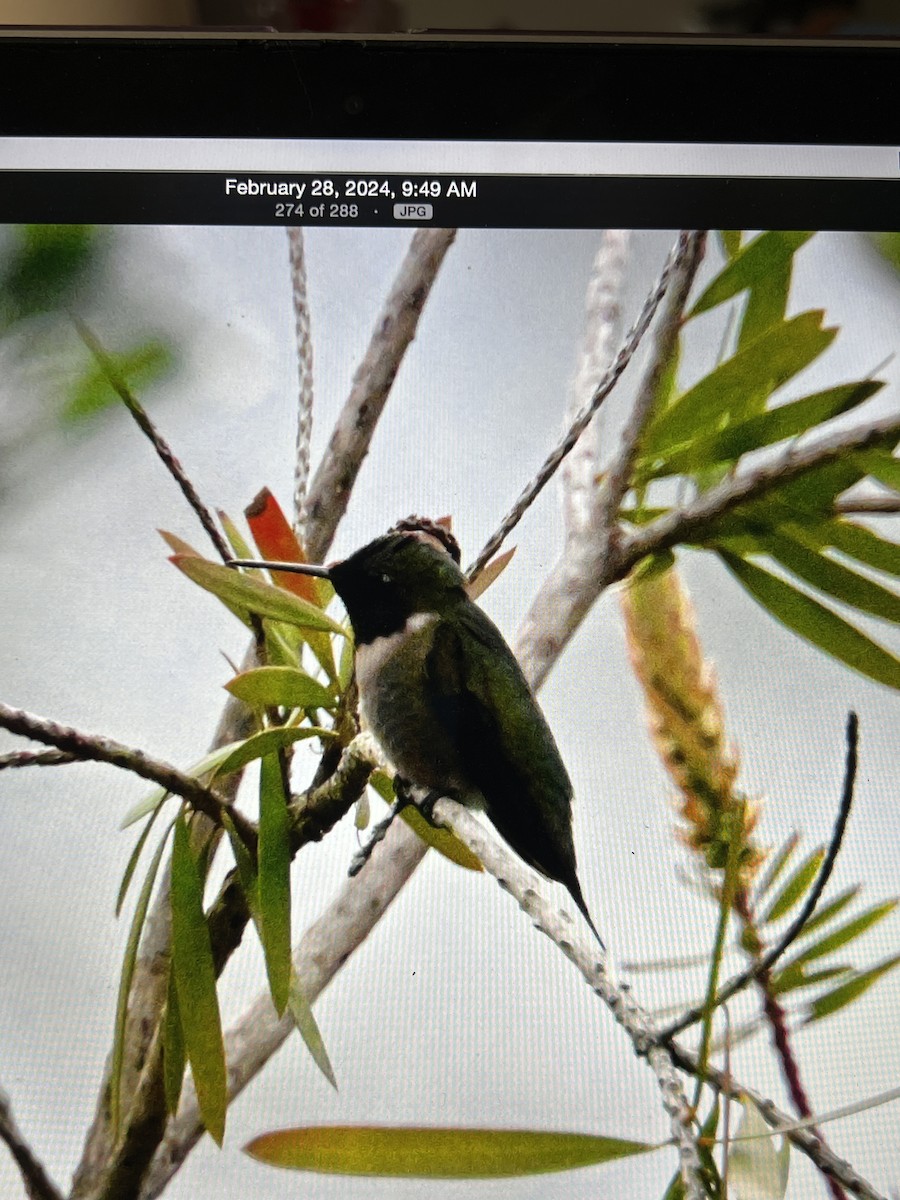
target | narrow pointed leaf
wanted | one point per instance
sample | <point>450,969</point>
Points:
<point>796,887</point>
<point>774,425</point>
<point>882,465</point>
<point>277,542</point>
<point>241,592</point>
<point>739,387</point>
<point>174,1060</point>
<point>852,989</point>
<point>815,623</point>
<point>195,979</point>
<point>731,241</point>
<point>130,957</point>
<point>796,976</point>
<point>832,577</point>
<point>274,879</point>
<point>301,1010</point>
<point>268,741</point>
<point>246,868</point>
<point>133,860</point>
<point>178,545</point>
<point>826,912</point>
<point>363,812</point>
<point>286,687</point>
<point>777,865</point>
<point>423,1153</point>
<point>749,265</point>
<point>240,547</point>
<point>864,545</point>
<point>155,798</point>
<point>491,572</point>
<point>847,932</point>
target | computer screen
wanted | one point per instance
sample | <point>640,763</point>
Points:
<point>597,436</point>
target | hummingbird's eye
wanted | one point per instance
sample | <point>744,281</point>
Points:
<point>385,578</point>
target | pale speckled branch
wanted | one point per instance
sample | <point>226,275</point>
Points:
<point>582,571</point>
<point>304,350</point>
<point>572,937</point>
<point>395,329</point>
<point>38,1184</point>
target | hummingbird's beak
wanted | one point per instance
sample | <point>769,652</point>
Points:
<point>262,564</point>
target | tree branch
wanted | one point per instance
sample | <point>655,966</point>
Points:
<point>86,747</point>
<point>692,521</point>
<point>395,329</point>
<point>38,1184</point>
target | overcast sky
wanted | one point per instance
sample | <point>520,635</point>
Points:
<point>455,1011</point>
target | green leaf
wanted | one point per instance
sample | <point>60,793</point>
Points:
<point>852,989</point>
<point>45,269</point>
<point>130,957</point>
<point>137,367</point>
<point>825,912</point>
<point>777,865</point>
<point>731,241</point>
<point>422,1153</point>
<point>863,544</point>
<point>845,933</point>
<point>882,465</point>
<point>195,979</point>
<point>765,429</point>
<point>241,592</point>
<point>796,887</point>
<point>815,623</point>
<point>267,741</point>
<point>240,547</point>
<point>301,1010</point>
<point>287,687</point>
<point>441,840</point>
<point>739,387</point>
<point>750,265</point>
<point>274,880</point>
<point>796,976</point>
<point>246,867</point>
<point>831,577</point>
<point>174,1060</point>
<point>133,859</point>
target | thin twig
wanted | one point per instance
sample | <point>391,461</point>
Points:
<point>581,422</point>
<point>146,426</point>
<point>36,758</point>
<point>765,964</point>
<point>86,747</point>
<point>395,328</point>
<point>871,506</point>
<point>304,349</point>
<point>38,1184</point>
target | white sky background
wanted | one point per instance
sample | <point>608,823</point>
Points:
<point>455,1010</point>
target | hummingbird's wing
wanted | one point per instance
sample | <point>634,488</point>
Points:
<point>506,748</point>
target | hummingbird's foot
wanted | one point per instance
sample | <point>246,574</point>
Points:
<point>364,853</point>
<point>426,806</point>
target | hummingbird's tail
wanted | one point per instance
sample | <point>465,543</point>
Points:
<point>574,889</point>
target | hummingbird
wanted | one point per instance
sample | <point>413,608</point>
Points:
<point>445,698</point>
